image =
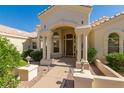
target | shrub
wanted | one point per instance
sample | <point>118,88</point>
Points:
<point>37,55</point>
<point>9,60</point>
<point>22,63</point>
<point>26,53</point>
<point>91,54</point>
<point>9,81</point>
<point>116,61</point>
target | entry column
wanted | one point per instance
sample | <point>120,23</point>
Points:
<point>78,62</point>
<point>38,42</point>
<point>85,49</point>
<point>49,43</point>
<point>44,47</point>
<point>38,30</point>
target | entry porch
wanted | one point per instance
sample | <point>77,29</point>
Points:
<point>65,41</point>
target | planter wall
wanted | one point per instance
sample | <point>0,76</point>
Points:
<point>27,73</point>
<point>107,70</point>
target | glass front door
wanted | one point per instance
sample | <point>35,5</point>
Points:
<point>69,47</point>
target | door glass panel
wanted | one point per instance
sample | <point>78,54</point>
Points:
<point>69,36</point>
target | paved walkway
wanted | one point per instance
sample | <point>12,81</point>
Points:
<point>54,78</point>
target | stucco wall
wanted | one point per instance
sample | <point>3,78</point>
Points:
<point>91,38</point>
<point>102,32</point>
<point>107,82</point>
<point>18,42</point>
<point>107,70</point>
<point>62,14</point>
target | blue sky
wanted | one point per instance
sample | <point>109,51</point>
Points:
<point>26,17</point>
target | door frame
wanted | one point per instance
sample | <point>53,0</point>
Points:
<point>73,44</point>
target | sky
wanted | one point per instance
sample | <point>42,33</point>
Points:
<point>25,17</point>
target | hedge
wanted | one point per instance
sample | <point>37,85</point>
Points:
<point>37,55</point>
<point>91,54</point>
<point>116,61</point>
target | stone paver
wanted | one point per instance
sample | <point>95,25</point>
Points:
<point>54,78</point>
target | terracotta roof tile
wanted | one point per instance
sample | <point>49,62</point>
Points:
<point>12,31</point>
<point>105,19</point>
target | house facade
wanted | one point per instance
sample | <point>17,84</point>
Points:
<point>20,39</point>
<point>66,31</point>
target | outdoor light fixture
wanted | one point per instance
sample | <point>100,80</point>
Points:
<point>28,58</point>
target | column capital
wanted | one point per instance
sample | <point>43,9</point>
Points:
<point>85,29</point>
<point>78,33</point>
<point>49,33</point>
<point>86,32</point>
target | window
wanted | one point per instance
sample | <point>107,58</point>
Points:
<point>34,46</point>
<point>55,42</point>
<point>69,36</point>
<point>113,43</point>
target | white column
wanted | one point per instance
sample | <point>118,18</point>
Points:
<point>38,42</point>
<point>49,43</point>
<point>85,47</point>
<point>78,48</point>
<point>44,47</point>
<point>60,44</point>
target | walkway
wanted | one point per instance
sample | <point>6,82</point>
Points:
<point>55,77</point>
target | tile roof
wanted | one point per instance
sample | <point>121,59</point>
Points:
<point>12,31</point>
<point>105,19</point>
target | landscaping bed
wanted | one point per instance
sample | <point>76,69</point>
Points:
<point>95,70</point>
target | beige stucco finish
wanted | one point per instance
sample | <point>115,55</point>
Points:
<point>102,32</point>
<point>16,41</point>
<point>27,73</point>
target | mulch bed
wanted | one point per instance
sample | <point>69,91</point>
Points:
<point>95,71</point>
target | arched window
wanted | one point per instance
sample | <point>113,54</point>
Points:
<point>69,36</point>
<point>113,43</point>
<point>56,42</point>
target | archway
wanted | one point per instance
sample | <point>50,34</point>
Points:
<point>65,42</point>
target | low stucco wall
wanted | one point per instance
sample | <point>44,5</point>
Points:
<point>111,80</point>
<point>107,70</point>
<point>107,82</point>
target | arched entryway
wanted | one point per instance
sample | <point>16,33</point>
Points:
<point>64,42</point>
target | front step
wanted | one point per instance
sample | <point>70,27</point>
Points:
<point>47,62</point>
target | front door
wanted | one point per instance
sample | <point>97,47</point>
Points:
<point>69,47</point>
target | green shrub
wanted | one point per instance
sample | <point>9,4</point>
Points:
<point>37,55</point>
<point>91,54</point>
<point>9,60</point>
<point>22,63</point>
<point>9,81</point>
<point>116,61</point>
<point>26,53</point>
